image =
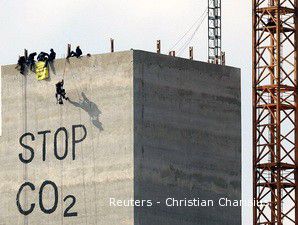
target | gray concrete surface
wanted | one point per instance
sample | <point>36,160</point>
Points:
<point>157,127</point>
<point>187,139</point>
<point>103,167</point>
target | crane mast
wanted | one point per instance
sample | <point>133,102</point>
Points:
<point>214,32</point>
<point>275,114</point>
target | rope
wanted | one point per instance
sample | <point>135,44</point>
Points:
<point>191,27</point>
<point>63,75</point>
<point>192,36</point>
<point>25,114</point>
<point>64,68</point>
<point>76,87</point>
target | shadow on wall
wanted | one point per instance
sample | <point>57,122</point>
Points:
<point>91,108</point>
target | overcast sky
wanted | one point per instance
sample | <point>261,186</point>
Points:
<point>39,25</point>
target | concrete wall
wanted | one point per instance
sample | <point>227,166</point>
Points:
<point>103,167</point>
<point>187,139</point>
<point>157,127</point>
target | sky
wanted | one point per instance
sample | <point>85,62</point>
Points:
<point>39,25</point>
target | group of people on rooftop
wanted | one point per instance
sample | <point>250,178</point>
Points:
<point>77,53</point>
<point>29,62</point>
<point>24,63</point>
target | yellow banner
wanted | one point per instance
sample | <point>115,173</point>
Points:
<point>41,71</point>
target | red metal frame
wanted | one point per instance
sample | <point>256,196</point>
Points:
<point>275,116</point>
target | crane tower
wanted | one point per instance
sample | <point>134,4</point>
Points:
<point>214,31</point>
<point>275,114</point>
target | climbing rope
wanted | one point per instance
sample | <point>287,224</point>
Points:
<point>64,73</point>
<point>64,68</point>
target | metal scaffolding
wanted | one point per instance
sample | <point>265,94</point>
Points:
<point>275,114</point>
<point>214,31</point>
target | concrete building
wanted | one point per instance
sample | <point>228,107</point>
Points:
<point>138,126</point>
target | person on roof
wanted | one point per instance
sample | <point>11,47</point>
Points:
<point>31,61</point>
<point>42,56</point>
<point>60,92</point>
<point>21,64</point>
<point>77,53</point>
<point>52,55</point>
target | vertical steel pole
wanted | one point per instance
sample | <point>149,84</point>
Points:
<point>158,47</point>
<point>296,106</point>
<point>112,44</point>
<point>191,53</point>
<point>254,112</point>
<point>26,54</point>
<point>68,50</point>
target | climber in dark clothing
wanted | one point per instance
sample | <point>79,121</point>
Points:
<point>42,56</point>
<point>21,64</point>
<point>31,61</point>
<point>49,58</point>
<point>270,22</point>
<point>77,53</point>
<point>60,92</point>
<point>52,55</point>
